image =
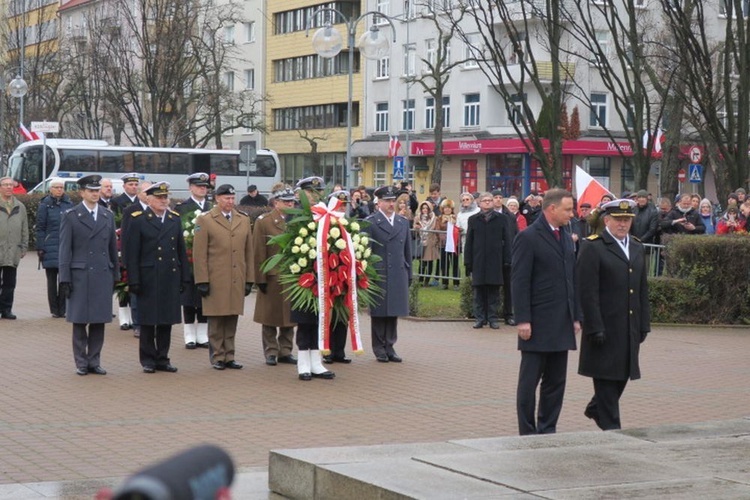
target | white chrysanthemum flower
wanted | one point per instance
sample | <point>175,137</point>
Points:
<point>343,221</point>
<point>354,226</point>
<point>303,232</point>
<point>312,254</point>
<point>312,242</point>
<point>298,241</point>
<point>355,239</point>
<point>358,255</point>
<point>335,233</point>
<point>185,233</point>
<point>334,220</point>
<point>364,265</point>
<point>295,249</point>
<point>340,244</point>
<point>367,253</point>
<point>304,248</point>
<point>295,269</point>
<point>364,240</point>
<point>361,248</point>
<point>312,225</point>
<point>302,262</point>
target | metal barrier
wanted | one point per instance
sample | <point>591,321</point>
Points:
<point>441,268</point>
<point>654,260</point>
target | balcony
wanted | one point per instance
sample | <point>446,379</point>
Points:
<point>544,71</point>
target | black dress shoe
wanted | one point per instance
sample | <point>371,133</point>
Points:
<point>55,315</point>
<point>328,359</point>
<point>305,376</point>
<point>8,315</point>
<point>219,365</point>
<point>191,345</point>
<point>204,345</point>
<point>233,365</point>
<point>340,359</point>
<point>149,369</point>
<point>166,368</point>
<point>478,325</point>
<point>382,358</point>
<point>125,327</point>
<point>82,371</point>
<point>325,375</point>
<point>510,321</point>
<point>494,325</point>
<point>394,358</point>
<point>271,360</point>
<point>288,359</point>
<point>98,370</point>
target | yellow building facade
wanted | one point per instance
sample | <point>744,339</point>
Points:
<point>307,95</point>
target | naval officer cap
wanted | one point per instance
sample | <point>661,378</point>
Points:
<point>198,179</point>
<point>341,194</point>
<point>224,189</point>
<point>158,189</point>
<point>619,208</point>
<point>313,182</point>
<point>386,193</point>
<point>284,194</point>
<point>130,177</point>
<point>90,182</point>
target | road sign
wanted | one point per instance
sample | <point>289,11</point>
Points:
<point>247,159</point>
<point>695,154</point>
<point>398,167</point>
<point>681,175</point>
<point>695,173</point>
<point>45,127</point>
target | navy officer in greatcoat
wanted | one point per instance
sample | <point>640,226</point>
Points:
<point>616,314</point>
<point>391,241</point>
<point>157,271</point>
<point>88,268</point>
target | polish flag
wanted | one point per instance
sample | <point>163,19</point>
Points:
<point>393,146</point>
<point>659,140</point>
<point>589,189</point>
<point>29,135</point>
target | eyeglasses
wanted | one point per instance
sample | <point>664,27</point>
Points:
<point>6,185</point>
<point>486,201</point>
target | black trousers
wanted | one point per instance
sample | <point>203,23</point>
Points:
<point>307,336</point>
<point>605,405</point>
<point>190,313</point>
<point>153,345</point>
<point>507,299</point>
<point>486,301</point>
<point>384,332</point>
<point>7,287</point>
<point>338,339</point>
<point>551,368</point>
<point>55,300</point>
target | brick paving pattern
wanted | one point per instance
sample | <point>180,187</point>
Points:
<point>455,383</point>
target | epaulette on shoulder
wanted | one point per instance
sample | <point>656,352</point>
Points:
<point>174,212</point>
<point>137,213</point>
<point>261,216</point>
<point>242,213</point>
<point>593,237</point>
<point>635,238</point>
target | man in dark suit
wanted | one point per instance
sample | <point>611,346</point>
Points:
<point>391,232</point>
<point>616,314</point>
<point>546,309</point>
<point>195,334</point>
<point>486,255</point>
<point>130,186</point>
<point>157,270</point>
<point>88,267</point>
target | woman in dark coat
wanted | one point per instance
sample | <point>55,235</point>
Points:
<point>48,218</point>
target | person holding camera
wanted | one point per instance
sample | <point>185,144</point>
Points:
<point>730,222</point>
<point>357,208</point>
<point>683,218</point>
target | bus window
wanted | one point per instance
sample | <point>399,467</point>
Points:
<point>224,165</point>
<point>179,163</point>
<point>265,166</point>
<point>155,163</point>
<point>72,160</point>
<point>115,161</point>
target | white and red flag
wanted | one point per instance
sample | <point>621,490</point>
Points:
<point>29,135</point>
<point>393,146</point>
<point>588,189</point>
<point>659,138</point>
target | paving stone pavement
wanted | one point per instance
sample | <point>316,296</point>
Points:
<point>455,383</point>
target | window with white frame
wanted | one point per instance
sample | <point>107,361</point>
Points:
<point>229,35</point>
<point>602,41</point>
<point>430,55</point>
<point>249,31</point>
<point>515,109</point>
<point>630,120</point>
<point>410,59</point>
<point>383,69</point>
<point>447,111</point>
<point>517,47</point>
<point>473,50</point>
<point>598,117</point>
<point>471,110</point>
<point>429,113</point>
<point>229,80</point>
<point>229,120</point>
<point>379,173</point>
<point>383,7</point>
<point>407,119</point>
<point>250,79</point>
<point>381,117</point>
<point>410,7</point>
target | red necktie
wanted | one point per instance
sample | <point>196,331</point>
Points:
<point>557,233</point>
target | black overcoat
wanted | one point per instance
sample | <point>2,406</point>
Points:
<point>487,249</point>
<point>614,298</point>
<point>543,285</point>
<point>157,263</point>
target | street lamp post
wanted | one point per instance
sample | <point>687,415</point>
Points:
<point>18,88</point>
<point>328,42</point>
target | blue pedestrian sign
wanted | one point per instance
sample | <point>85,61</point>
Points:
<point>398,167</point>
<point>695,173</point>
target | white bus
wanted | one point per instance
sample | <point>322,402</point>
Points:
<point>73,158</point>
